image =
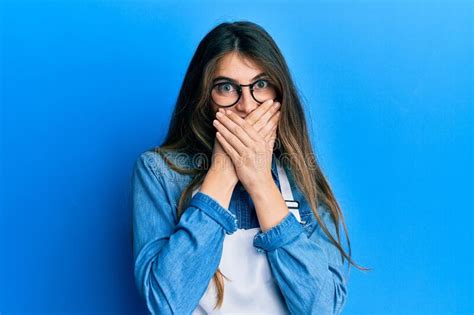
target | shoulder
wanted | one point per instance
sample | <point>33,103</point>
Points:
<point>160,162</point>
<point>158,165</point>
<point>150,162</point>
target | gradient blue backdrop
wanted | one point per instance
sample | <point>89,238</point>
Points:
<point>89,85</point>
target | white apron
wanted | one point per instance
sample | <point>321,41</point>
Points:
<point>252,289</point>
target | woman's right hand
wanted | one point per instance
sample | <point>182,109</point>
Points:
<point>222,163</point>
<point>221,177</point>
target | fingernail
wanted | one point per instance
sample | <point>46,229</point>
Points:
<point>219,114</point>
<point>276,104</point>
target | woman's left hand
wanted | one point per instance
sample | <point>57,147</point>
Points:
<point>250,150</point>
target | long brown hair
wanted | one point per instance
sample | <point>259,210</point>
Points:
<point>191,131</point>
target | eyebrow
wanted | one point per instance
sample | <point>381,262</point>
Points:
<point>258,76</point>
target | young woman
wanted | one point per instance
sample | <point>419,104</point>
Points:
<point>234,193</point>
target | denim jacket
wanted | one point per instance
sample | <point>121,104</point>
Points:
<point>175,261</point>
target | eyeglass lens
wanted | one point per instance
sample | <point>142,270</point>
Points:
<point>227,93</point>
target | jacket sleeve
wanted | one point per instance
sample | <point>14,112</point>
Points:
<point>173,263</point>
<point>308,269</point>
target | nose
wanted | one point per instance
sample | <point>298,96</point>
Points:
<point>246,104</point>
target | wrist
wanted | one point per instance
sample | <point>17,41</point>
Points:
<point>260,189</point>
<point>218,187</point>
<point>226,179</point>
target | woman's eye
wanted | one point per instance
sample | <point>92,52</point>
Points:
<point>261,84</point>
<point>225,87</point>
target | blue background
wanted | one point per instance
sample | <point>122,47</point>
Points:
<point>86,86</point>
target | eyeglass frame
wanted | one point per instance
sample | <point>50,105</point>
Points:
<point>239,90</point>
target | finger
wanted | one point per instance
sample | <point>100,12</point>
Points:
<point>232,139</point>
<point>270,145</point>
<point>255,115</point>
<point>272,133</point>
<point>227,147</point>
<point>236,125</point>
<point>263,120</point>
<point>267,129</point>
<point>270,140</point>
<point>252,134</point>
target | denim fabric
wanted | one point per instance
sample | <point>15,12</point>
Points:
<point>175,261</point>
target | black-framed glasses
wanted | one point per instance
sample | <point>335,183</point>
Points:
<point>228,93</point>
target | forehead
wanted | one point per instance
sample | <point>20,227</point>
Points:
<point>237,67</point>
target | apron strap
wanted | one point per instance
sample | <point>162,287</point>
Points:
<point>292,204</point>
